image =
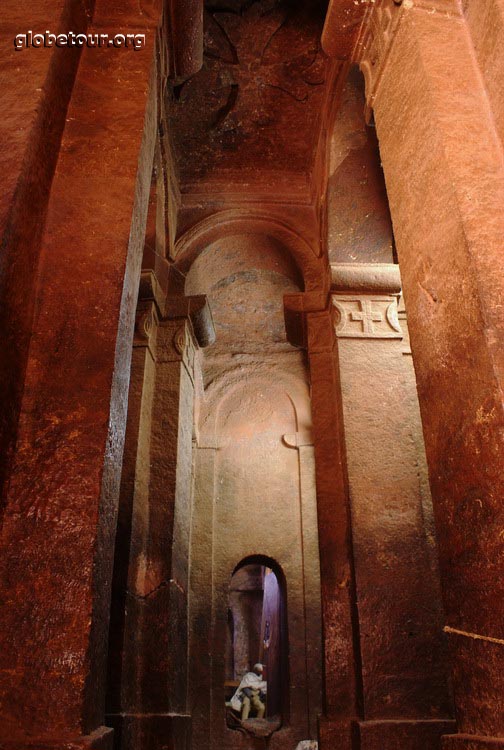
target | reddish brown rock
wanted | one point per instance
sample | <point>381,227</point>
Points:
<point>291,442</point>
<point>58,522</point>
<point>445,181</point>
<point>395,735</point>
<point>36,85</point>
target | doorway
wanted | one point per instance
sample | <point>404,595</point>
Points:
<point>256,635</point>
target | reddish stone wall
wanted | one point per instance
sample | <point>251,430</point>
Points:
<point>37,85</point>
<point>217,444</point>
<point>59,517</point>
<point>445,179</point>
<point>254,404</point>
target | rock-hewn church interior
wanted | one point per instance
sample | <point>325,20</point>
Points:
<point>252,412</point>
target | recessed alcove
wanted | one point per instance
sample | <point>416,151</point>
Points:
<point>254,514</point>
<point>257,633</point>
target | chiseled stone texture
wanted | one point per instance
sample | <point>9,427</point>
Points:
<point>444,171</point>
<point>485,19</point>
<point>471,742</point>
<point>254,492</point>
<point>398,735</point>
<point>166,732</point>
<point>404,661</point>
<point>59,516</point>
<point>359,228</point>
<point>101,739</point>
<point>36,88</point>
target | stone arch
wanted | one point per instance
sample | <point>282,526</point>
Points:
<point>252,402</point>
<point>309,259</point>
<point>225,386</point>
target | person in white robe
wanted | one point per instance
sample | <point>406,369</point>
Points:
<point>251,693</point>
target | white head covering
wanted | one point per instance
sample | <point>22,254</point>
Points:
<point>258,667</point>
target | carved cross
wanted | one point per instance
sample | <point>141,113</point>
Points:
<point>367,316</point>
<point>240,40</point>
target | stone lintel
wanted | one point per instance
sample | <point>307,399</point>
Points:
<point>100,739</point>
<point>197,310</point>
<point>150,289</point>
<point>296,307</point>
<point>378,278</point>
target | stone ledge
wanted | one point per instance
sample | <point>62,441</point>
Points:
<point>384,278</point>
<point>101,739</point>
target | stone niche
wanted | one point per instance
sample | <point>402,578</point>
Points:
<point>254,500</point>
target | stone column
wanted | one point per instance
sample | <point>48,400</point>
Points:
<point>124,684</point>
<point>444,171</point>
<point>60,509</point>
<point>153,708</point>
<point>310,323</point>
<point>201,596</point>
<point>36,89</point>
<point>303,442</point>
<point>404,663</point>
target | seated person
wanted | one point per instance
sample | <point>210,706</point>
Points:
<point>251,693</point>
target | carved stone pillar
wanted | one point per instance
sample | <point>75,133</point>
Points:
<point>444,172</point>
<point>310,323</point>
<point>406,698</point>
<point>184,19</point>
<point>59,512</point>
<point>152,709</point>
<point>303,442</point>
<point>124,685</point>
<point>201,595</point>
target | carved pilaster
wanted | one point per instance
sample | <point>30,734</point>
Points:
<point>310,322</point>
<point>381,418</point>
<point>378,31</point>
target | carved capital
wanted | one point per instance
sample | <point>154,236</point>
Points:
<point>180,340</point>
<point>176,343</point>
<point>145,324</point>
<point>368,316</point>
<point>375,42</point>
<point>379,29</point>
<point>197,310</point>
<point>150,288</point>
<point>297,307</point>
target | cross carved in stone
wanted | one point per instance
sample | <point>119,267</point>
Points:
<point>367,316</point>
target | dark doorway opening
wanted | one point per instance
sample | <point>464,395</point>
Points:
<point>257,634</point>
